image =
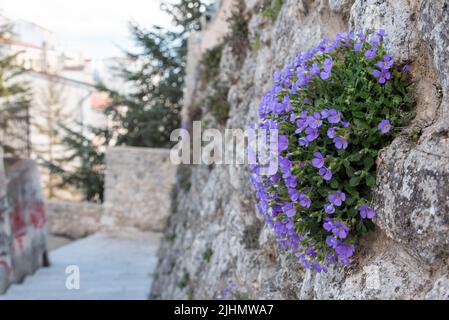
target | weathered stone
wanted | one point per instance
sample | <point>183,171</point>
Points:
<point>401,259</point>
<point>72,219</point>
<point>137,188</point>
<point>23,232</point>
<point>440,290</point>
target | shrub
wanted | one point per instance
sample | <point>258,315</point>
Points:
<point>207,254</point>
<point>271,9</point>
<point>255,46</point>
<point>238,36</point>
<point>217,104</point>
<point>334,107</point>
<point>184,281</point>
<point>210,64</point>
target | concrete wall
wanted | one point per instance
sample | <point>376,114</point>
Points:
<point>137,188</point>
<point>72,219</point>
<point>23,230</point>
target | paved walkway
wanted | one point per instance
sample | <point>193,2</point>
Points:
<point>111,266</point>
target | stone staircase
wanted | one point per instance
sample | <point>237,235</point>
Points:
<point>112,265</point>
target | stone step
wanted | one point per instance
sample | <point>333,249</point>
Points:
<point>117,265</point>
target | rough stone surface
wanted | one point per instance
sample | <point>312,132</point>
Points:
<point>23,231</point>
<point>440,290</point>
<point>407,256</point>
<point>72,219</point>
<point>137,188</point>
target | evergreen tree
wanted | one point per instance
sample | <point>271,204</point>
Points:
<point>14,104</point>
<point>83,165</point>
<point>152,109</point>
<point>150,112</point>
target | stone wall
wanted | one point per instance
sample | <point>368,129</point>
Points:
<point>138,188</point>
<point>73,219</point>
<point>407,256</point>
<point>23,232</point>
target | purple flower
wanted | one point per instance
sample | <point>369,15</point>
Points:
<point>293,193</point>
<point>328,208</point>
<point>382,75</point>
<point>340,142</point>
<point>325,173</point>
<point>333,116</point>
<point>303,142</point>
<point>282,142</point>
<point>331,241</point>
<point>315,121</point>
<point>327,66</point>
<point>386,64</point>
<point>328,225</point>
<point>318,160</point>
<point>405,68</point>
<point>289,209</point>
<point>311,252</point>
<point>340,230</point>
<point>344,249</point>
<point>336,198</point>
<point>312,134</point>
<point>285,165</point>
<point>384,126</point>
<point>324,113</point>
<point>315,69</point>
<point>367,212</point>
<point>357,46</point>
<point>371,53</point>
<point>290,180</point>
<point>331,132</point>
<point>304,200</point>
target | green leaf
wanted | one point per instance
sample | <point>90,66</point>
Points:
<point>354,181</point>
<point>370,181</point>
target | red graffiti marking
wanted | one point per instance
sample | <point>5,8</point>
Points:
<point>5,265</point>
<point>37,213</point>
<point>18,220</point>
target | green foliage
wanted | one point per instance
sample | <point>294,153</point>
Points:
<point>185,14</point>
<point>184,173</point>
<point>184,281</point>
<point>217,104</point>
<point>349,91</point>
<point>251,235</point>
<point>255,46</point>
<point>14,105</point>
<point>85,160</point>
<point>271,9</point>
<point>210,64</point>
<point>207,255</point>
<point>414,134</point>
<point>238,35</point>
<point>147,115</point>
<point>153,106</point>
<point>190,293</point>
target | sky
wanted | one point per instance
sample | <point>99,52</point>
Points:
<point>98,28</point>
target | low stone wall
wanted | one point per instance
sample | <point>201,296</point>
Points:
<point>23,232</point>
<point>138,185</point>
<point>73,219</point>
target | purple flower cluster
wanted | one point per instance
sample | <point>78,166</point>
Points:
<point>283,198</point>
